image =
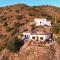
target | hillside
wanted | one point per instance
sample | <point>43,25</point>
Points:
<point>16,19</point>
<point>30,51</point>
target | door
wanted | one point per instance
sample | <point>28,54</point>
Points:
<point>37,38</point>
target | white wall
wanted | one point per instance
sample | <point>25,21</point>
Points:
<point>43,22</point>
<point>44,37</point>
<point>29,35</point>
<point>48,23</point>
<point>26,34</point>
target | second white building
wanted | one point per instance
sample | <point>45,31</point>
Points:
<point>42,22</point>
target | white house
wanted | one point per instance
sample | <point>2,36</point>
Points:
<point>42,22</point>
<point>40,36</point>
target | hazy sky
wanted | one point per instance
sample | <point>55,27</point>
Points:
<point>30,2</point>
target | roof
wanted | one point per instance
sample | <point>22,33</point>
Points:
<point>40,33</point>
<point>37,33</point>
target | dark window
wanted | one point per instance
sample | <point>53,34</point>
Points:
<point>25,35</point>
<point>41,38</point>
<point>33,37</point>
<point>40,22</point>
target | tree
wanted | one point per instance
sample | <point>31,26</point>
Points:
<point>58,40</point>
<point>13,45</point>
<point>55,28</point>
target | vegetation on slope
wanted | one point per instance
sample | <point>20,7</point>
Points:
<point>16,19</point>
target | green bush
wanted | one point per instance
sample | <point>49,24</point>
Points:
<point>2,36</point>
<point>58,40</point>
<point>14,31</point>
<point>13,45</point>
<point>5,23</point>
<point>33,26</point>
<point>55,28</point>
<point>17,11</point>
<point>8,29</point>
<point>17,25</point>
<point>2,47</point>
<point>18,17</point>
<point>31,14</point>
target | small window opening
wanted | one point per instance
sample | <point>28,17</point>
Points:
<point>25,35</point>
<point>33,37</point>
<point>41,38</point>
<point>40,22</point>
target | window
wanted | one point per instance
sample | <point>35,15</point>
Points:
<point>41,38</point>
<point>33,37</point>
<point>25,35</point>
<point>40,22</point>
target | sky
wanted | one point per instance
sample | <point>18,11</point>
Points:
<point>30,2</point>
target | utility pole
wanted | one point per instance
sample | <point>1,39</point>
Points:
<point>55,18</point>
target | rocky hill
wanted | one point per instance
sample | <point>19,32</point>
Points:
<point>16,19</point>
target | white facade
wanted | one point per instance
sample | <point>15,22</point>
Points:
<point>26,35</point>
<point>39,37</point>
<point>42,22</point>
